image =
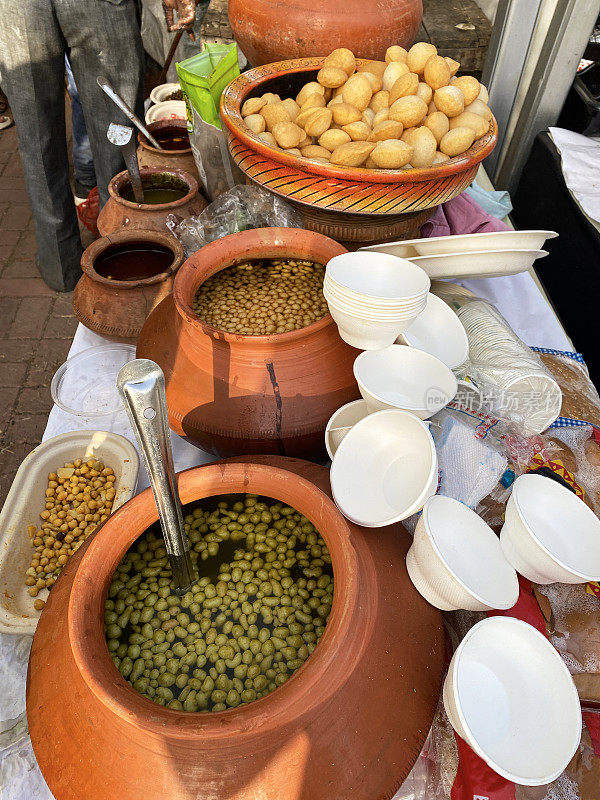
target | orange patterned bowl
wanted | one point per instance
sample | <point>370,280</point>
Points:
<point>353,205</point>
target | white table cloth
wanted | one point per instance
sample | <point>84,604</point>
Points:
<point>520,301</point>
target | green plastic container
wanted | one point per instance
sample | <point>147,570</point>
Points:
<point>203,78</point>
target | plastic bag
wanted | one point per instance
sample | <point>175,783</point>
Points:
<point>204,77</point>
<point>580,401</point>
<point>239,209</point>
<point>217,171</point>
<point>470,467</point>
<point>508,381</point>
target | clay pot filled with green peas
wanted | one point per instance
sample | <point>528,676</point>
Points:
<point>300,652</point>
<point>256,612</point>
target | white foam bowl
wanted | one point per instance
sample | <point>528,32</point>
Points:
<point>415,306</point>
<point>384,469</point>
<point>364,333</point>
<point>438,331</point>
<point>509,695</point>
<point>377,304</point>
<point>455,560</point>
<point>378,276</point>
<point>168,109</point>
<point>549,534</point>
<point>341,422</point>
<point>349,307</point>
<point>160,93</point>
<point>405,378</point>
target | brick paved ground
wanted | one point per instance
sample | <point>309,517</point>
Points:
<point>36,324</point>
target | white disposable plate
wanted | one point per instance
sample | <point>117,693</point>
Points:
<point>26,500</point>
<point>465,243</point>
<point>478,264</point>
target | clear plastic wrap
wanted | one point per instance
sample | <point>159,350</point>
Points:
<point>513,383</point>
<point>239,209</point>
<point>470,467</point>
<point>217,171</point>
<point>509,387</point>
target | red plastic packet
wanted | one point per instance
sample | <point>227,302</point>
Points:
<point>88,211</point>
<point>592,723</point>
<point>526,608</point>
<point>475,780</point>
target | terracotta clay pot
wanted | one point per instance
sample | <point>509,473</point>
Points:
<point>356,206</point>
<point>234,394</point>
<point>149,156</point>
<point>119,213</point>
<point>272,30</point>
<point>119,308</point>
<point>349,723</point>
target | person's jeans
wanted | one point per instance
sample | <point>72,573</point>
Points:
<point>100,37</point>
<point>83,163</point>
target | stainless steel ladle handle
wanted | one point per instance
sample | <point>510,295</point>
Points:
<point>111,92</point>
<point>141,384</point>
<point>122,136</point>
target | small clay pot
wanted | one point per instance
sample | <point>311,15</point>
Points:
<point>119,308</point>
<point>149,156</point>
<point>350,723</point>
<point>233,394</point>
<point>120,213</point>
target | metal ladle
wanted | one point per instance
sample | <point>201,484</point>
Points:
<point>141,384</point>
<point>111,92</point>
<point>122,136</point>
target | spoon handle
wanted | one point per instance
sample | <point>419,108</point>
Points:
<point>111,92</point>
<point>133,168</point>
<point>142,385</point>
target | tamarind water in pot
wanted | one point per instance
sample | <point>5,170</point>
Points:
<point>133,261</point>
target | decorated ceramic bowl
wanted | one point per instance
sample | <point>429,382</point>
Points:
<point>324,191</point>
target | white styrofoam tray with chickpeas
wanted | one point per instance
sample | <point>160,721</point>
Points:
<point>62,491</point>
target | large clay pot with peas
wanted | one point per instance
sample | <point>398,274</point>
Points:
<point>349,723</point>
<point>232,393</point>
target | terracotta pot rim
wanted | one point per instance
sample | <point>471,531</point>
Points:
<point>184,305</point>
<point>382,215</point>
<point>158,125</point>
<point>123,177</point>
<point>91,253</point>
<point>306,688</point>
<point>238,90</point>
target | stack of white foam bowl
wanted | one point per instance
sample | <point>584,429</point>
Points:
<point>374,297</point>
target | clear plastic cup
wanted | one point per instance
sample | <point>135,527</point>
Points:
<point>86,384</point>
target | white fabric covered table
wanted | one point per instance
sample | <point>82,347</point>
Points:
<point>520,301</point>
